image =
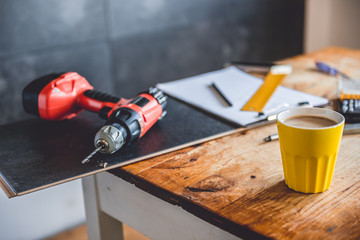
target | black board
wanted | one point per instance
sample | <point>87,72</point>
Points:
<point>36,154</point>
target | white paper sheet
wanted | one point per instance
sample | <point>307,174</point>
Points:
<point>238,87</point>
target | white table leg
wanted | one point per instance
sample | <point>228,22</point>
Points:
<point>99,224</point>
<point>150,215</point>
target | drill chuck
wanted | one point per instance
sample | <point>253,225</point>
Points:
<point>110,138</point>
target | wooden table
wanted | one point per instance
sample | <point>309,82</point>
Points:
<point>233,187</point>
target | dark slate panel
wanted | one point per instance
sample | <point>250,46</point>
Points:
<point>37,154</point>
<point>36,24</point>
<point>148,59</point>
<point>266,30</point>
<point>128,18</point>
<point>91,61</point>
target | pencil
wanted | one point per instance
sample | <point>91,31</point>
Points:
<point>221,94</point>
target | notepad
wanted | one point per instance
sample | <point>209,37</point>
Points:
<point>238,87</point>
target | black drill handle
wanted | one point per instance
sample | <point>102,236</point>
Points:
<point>100,96</point>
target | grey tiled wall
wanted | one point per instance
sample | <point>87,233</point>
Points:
<point>123,47</point>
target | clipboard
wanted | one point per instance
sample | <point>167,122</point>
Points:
<point>238,86</point>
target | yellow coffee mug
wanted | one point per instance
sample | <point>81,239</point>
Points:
<point>309,153</point>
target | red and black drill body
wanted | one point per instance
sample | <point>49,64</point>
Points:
<point>62,96</point>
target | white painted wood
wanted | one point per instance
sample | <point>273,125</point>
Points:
<point>150,215</point>
<point>99,224</point>
<point>91,208</point>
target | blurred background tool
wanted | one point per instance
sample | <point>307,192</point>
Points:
<point>348,103</point>
<point>326,68</point>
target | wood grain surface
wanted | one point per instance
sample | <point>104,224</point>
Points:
<point>236,182</point>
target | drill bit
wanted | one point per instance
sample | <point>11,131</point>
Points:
<point>87,159</point>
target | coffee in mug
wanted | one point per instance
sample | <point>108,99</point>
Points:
<point>309,121</point>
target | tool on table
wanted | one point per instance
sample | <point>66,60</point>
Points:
<point>348,103</point>
<point>62,96</point>
<point>348,129</point>
<point>271,82</point>
<point>350,108</point>
<point>326,68</point>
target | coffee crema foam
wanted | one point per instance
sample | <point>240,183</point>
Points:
<point>308,121</point>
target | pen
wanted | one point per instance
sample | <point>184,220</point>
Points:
<point>323,67</point>
<point>271,137</point>
<point>348,129</point>
<point>221,94</point>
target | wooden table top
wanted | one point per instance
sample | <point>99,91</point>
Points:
<point>236,182</point>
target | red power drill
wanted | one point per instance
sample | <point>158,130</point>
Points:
<point>62,96</point>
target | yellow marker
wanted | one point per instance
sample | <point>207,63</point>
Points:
<point>271,82</point>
